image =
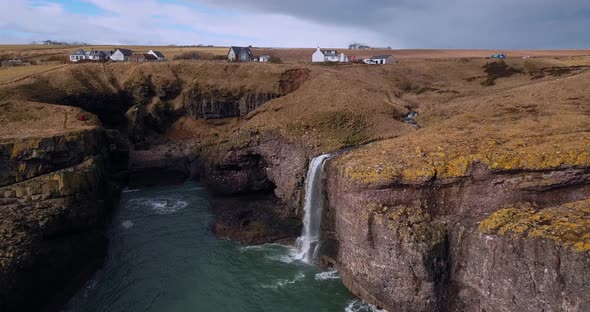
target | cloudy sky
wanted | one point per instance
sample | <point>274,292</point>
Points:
<point>494,24</point>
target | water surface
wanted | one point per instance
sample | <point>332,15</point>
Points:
<point>163,257</point>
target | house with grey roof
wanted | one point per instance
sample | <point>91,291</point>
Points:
<point>239,54</point>
<point>264,58</point>
<point>381,59</point>
<point>121,55</point>
<point>79,55</point>
<point>97,55</point>
<point>327,56</point>
<point>159,56</point>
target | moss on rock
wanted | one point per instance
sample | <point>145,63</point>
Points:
<point>568,225</point>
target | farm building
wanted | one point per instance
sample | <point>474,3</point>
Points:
<point>121,55</point>
<point>264,58</point>
<point>239,54</point>
<point>381,59</point>
<point>78,55</point>
<point>141,57</point>
<point>159,56</point>
<point>324,56</point>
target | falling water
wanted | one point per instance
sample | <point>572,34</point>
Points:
<point>309,241</point>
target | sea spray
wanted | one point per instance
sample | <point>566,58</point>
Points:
<point>308,243</point>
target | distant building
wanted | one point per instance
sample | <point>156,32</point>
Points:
<point>96,55</point>
<point>159,56</point>
<point>324,56</point>
<point>79,55</point>
<point>381,59</point>
<point>264,58</point>
<point>121,55</point>
<point>358,46</point>
<point>342,58</point>
<point>141,57</point>
<point>239,54</point>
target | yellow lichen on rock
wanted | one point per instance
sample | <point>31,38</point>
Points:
<point>568,225</point>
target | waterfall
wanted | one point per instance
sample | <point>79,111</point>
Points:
<point>308,243</point>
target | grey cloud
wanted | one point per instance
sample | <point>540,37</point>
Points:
<point>501,24</point>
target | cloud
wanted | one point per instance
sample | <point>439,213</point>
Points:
<point>166,22</point>
<point>444,24</point>
<point>495,24</point>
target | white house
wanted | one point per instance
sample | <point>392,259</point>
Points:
<point>239,54</point>
<point>318,56</point>
<point>343,58</point>
<point>78,55</point>
<point>96,55</point>
<point>159,56</point>
<point>121,55</point>
<point>381,59</point>
<point>264,58</point>
<point>324,56</point>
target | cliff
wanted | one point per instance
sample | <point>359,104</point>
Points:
<point>479,204</point>
<point>483,213</point>
<point>53,201</point>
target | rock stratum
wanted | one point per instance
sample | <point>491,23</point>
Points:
<point>479,204</point>
<point>53,199</point>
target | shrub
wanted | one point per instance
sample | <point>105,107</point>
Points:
<point>195,56</point>
<point>276,60</point>
<point>496,70</point>
<point>58,58</point>
<point>406,85</point>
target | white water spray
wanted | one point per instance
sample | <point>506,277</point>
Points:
<point>308,243</point>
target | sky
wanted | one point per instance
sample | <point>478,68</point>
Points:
<point>400,24</point>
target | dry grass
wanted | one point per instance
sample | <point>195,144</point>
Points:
<point>11,74</point>
<point>304,55</point>
<point>21,119</point>
<point>518,123</point>
<point>44,52</point>
<point>288,55</point>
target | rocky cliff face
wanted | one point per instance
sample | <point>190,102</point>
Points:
<point>257,186</point>
<point>418,247</point>
<point>53,201</point>
<point>224,103</point>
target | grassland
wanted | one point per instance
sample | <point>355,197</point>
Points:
<point>44,52</point>
<point>12,74</point>
<point>289,55</point>
<point>520,121</point>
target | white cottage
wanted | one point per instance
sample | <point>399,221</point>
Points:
<point>318,56</point>
<point>78,55</point>
<point>264,58</point>
<point>343,58</point>
<point>324,56</point>
<point>381,59</point>
<point>121,55</point>
<point>239,54</point>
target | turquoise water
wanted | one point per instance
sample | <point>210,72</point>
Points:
<point>163,257</point>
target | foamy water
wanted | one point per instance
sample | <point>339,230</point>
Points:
<point>160,206</point>
<point>361,306</point>
<point>328,275</point>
